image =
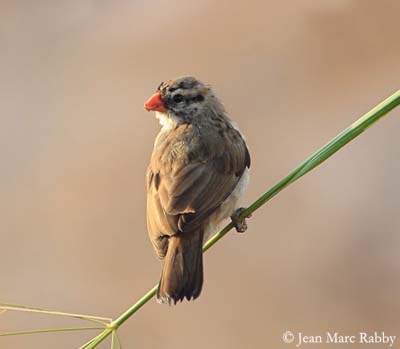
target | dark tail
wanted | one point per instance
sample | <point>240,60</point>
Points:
<point>182,274</point>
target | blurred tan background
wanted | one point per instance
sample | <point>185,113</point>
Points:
<point>75,142</point>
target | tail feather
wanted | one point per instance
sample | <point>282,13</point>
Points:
<point>182,275</point>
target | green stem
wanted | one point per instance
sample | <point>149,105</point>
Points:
<point>14,307</point>
<point>98,339</point>
<point>48,330</point>
<point>310,163</point>
<point>317,158</point>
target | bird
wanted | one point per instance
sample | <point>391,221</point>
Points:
<point>198,171</point>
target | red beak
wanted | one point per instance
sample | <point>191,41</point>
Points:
<point>155,103</point>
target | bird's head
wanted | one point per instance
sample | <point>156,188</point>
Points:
<point>184,100</point>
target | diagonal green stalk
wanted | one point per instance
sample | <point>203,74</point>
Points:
<point>307,165</point>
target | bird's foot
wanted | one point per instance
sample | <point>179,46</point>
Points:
<point>238,222</point>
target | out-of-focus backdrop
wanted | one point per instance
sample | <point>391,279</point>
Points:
<point>75,141</point>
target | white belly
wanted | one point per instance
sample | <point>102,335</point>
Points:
<point>228,206</point>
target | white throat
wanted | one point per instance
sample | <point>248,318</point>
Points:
<point>166,121</point>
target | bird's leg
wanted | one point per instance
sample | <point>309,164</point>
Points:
<point>238,222</point>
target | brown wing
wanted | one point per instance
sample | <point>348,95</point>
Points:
<point>188,179</point>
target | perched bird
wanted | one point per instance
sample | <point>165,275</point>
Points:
<point>197,173</point>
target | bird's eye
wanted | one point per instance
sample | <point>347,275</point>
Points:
<point>199,98</point>
<point>177,98</point>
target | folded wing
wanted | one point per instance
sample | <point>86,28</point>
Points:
<point>187,181</point>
